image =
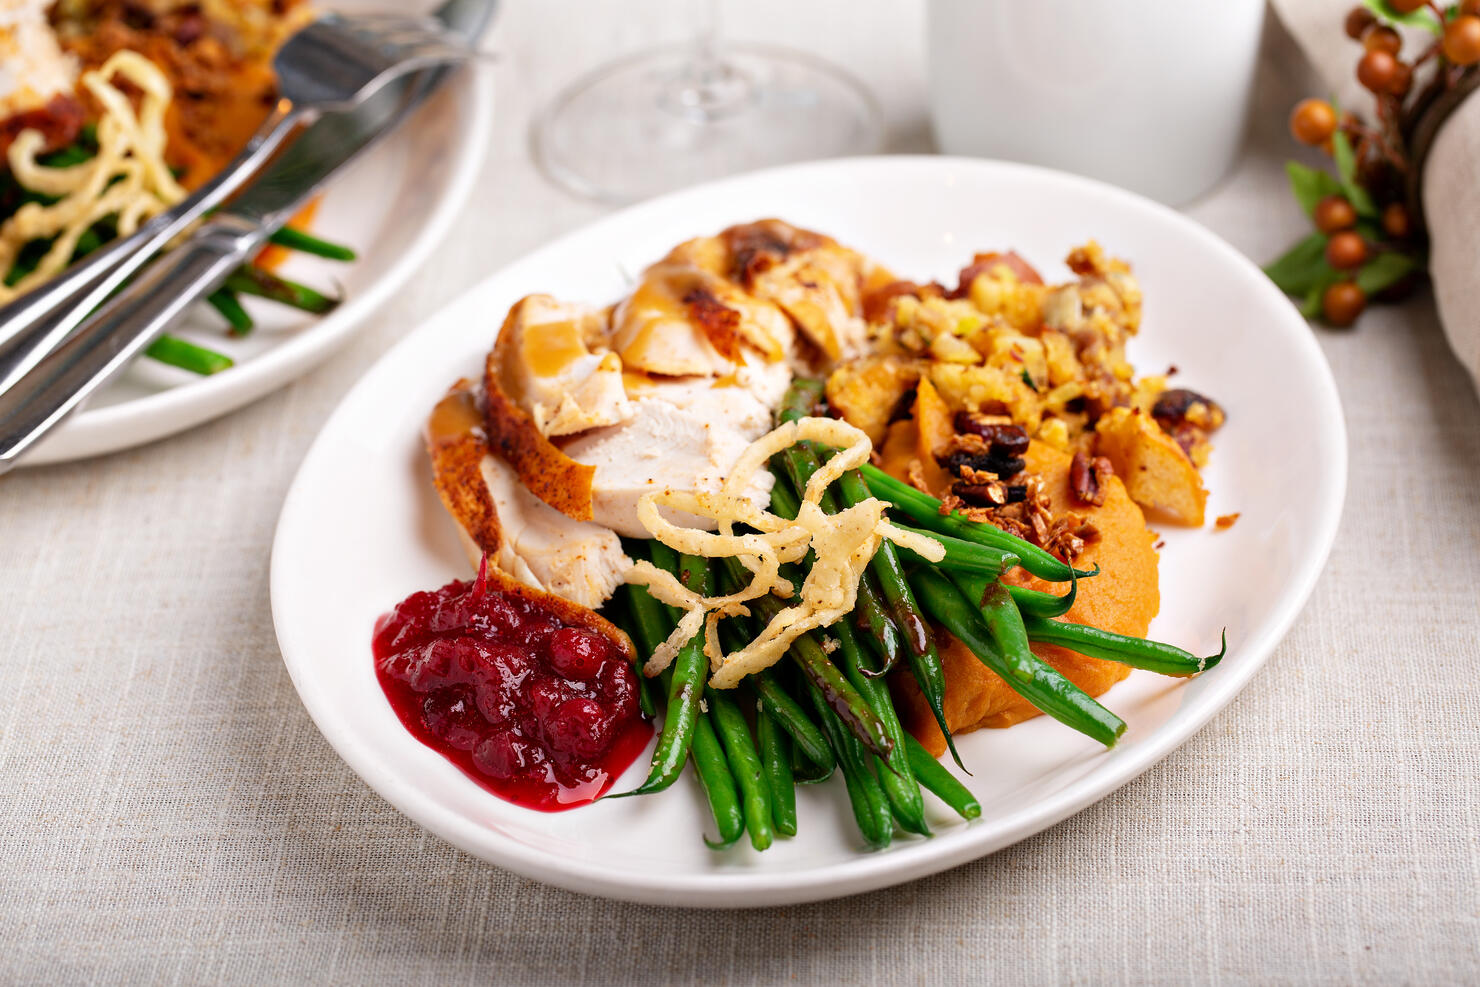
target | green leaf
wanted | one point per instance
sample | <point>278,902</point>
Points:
<point>1311,306</point>
<point>1302,266</point>
<point>1346,166</point>
<point>1310,185</point>
<point>1422,17</point>
<point>1384,270</point>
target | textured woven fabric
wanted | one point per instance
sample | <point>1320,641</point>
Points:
<point>172,815</point>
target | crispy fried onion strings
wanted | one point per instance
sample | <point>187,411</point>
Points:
<point>128,177</point>
<point>843,542</point>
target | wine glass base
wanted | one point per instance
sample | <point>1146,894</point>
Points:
<point>666,118</point>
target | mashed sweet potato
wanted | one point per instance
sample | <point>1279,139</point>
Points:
<point>1123,598</point>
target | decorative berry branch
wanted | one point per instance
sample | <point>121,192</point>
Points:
<point>1369,241</point>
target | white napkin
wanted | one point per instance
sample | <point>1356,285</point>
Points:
<point>1451,194</point>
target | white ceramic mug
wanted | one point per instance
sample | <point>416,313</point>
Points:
<point>1151,95</point>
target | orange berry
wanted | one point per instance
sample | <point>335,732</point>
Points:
<point>1462,40</point>
<point>1471,7</point>
<point>1312,121</point>
<point>1358,20</point>
<point>1342,303</point>
<point>1383,38</point>
<point>1346,250</point>
<point>1334,214</point>
<point>1395,221</point>
<point>1377,70</point>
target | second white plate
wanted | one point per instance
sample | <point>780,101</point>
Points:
<point>392,207</point>
<point>362,527</point>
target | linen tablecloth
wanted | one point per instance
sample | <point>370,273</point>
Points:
<point>170,813</point>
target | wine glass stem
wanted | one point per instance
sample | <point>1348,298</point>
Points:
<point>708,88</point>
<point>706,32</point>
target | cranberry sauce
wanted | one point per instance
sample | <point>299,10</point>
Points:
<point>535,710</point>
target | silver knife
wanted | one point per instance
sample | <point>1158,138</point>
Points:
<point>124,326</point>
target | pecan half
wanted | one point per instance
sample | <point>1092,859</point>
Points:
<point>990,494</point>
<point>1087,478</point>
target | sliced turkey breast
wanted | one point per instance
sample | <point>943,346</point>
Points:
<point>683,321</point>
<point>553,362</point>
<point>578,560</point>
<point>814,279</point>
<point>498,516</point>
<point>668,447</point>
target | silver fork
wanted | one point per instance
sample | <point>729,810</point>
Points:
<point>332,65</point>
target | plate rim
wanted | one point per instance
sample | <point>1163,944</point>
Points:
<point>114,428</point>
<point>866,871</point>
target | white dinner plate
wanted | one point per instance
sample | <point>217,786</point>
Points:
<point>362,526</point>
<point>392,207</point>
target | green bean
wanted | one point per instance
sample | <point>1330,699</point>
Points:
<point>964,556</point>
<point>775,751</point>
<point>851,707</point>
<point>187,356</point>
<point>784,501</point>
<point>685,686</point>
<point>713,769</point>
<point>895,776</point>
<point>789,715</point>
<point>1030,602</point>
<point>778,702</point>
<point>805,772</point>
<point>940,782</point>
<point>1048,690</point>
<point>1133,651</point>
<point>870,805</point>
<point>296,239</point>
<point>801,399</point>
<point>923,656</point>
<point>925,509</point>
<point>1005,624</point>
<point>648,621</point>
<point>872,614</point>
<point>94,237</point>
<point>666,559</point>
<point>251,280</point>
<point>230,306</point>
<point>67,157</point>
<point>706,752</point>
<point>745,766</point>
<point>1033,603</point>
<point>798,463</point>
<point>685,683</point>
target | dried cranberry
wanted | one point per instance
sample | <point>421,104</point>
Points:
<point>1002,439</point>
<point>1173,406</point>
<point>1003,466</point>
